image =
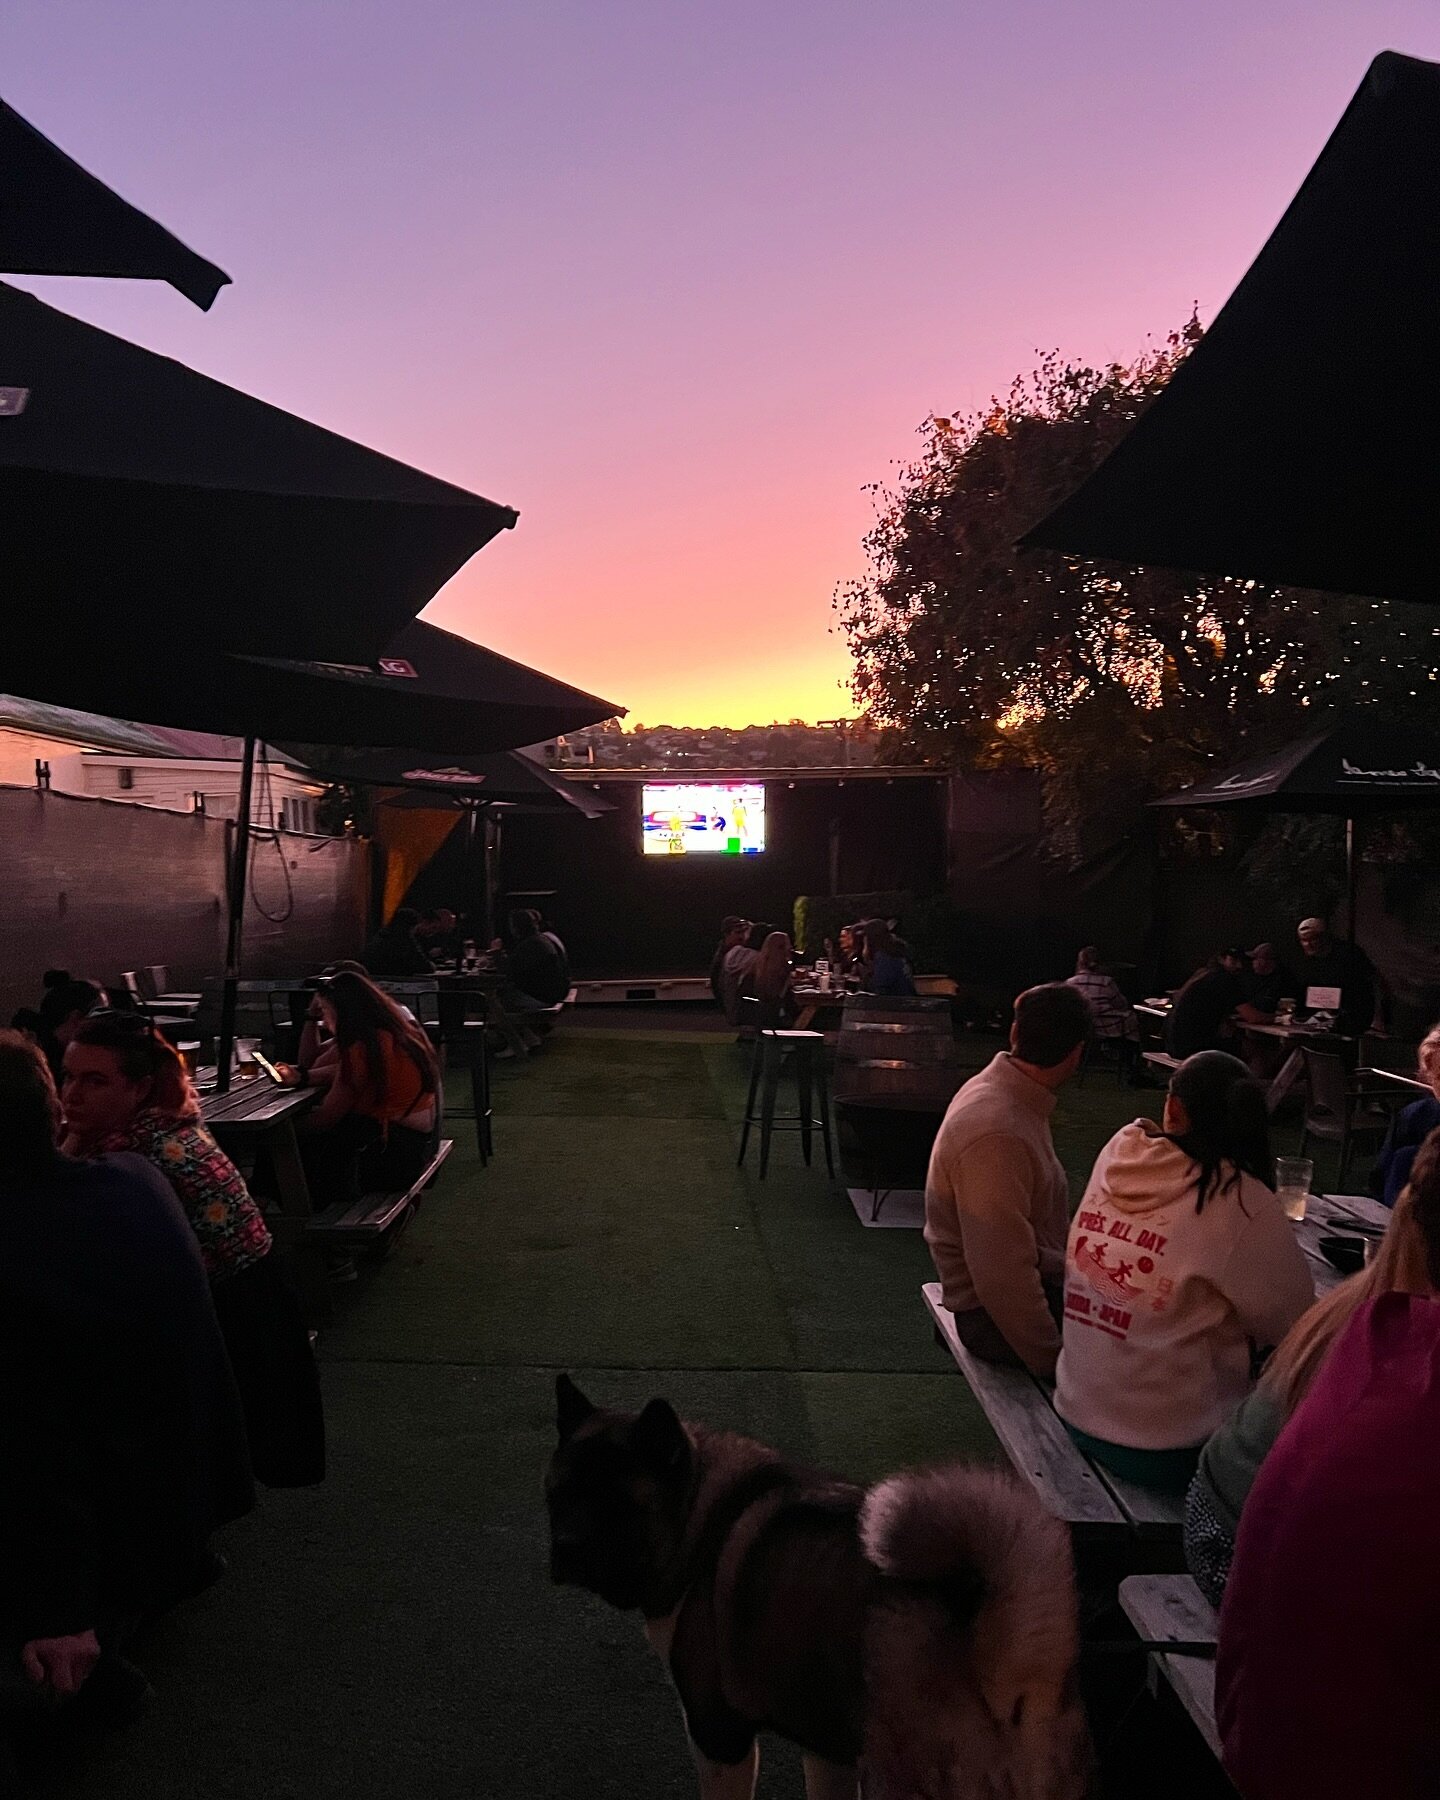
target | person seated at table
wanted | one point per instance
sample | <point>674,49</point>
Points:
<point>548,932</point>
<point>1112,1015</point>
<point>1179,1264</point>
<point>847,953</point>
<point>395,952</point>
<point>126,1089</point>
<point>887,964</point>
<point>438,934</point>
<point>1266,983</point>
<point>733,930</point>
<point>1343,968</point>
<point>739,966</point>
<point>997,1202</point>
<point>1327,1679</point>
<point>377,1126</point>
<point>769,981</point>
<point>536,971</point>
<point>1232,1457</point>
<point>1200,1016</point>
<point>122,1442</point>
<point>1410,1126</point>
<point>65,1003</point>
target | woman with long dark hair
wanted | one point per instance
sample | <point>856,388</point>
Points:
<point>125,1088</point>
<point>769,980</point>
<point>377,1125</point>
<point>1180,1264</point>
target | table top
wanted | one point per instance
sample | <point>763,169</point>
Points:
<point>1326,1214</point>
<point>1295,1028</point>
<point>254,1106</point>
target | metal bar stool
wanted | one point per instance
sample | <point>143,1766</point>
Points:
<point>479,1047</point>
<point>807,1049</point>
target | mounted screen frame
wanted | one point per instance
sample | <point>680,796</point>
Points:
<point>702,818</point>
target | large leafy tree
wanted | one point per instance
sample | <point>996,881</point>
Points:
<point>1116,683</point>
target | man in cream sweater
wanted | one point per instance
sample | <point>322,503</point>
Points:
<point>997,1204</point>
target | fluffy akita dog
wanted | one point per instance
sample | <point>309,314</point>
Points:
<point>916,1639</point>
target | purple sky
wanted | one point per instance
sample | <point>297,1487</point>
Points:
<point>678,277</point>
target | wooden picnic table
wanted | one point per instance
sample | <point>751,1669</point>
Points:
<point>1170,1609</point>
<point>259,1115</point>
<point>1098,1504</point>
<point>814,1000</point>
<point>1296,1033</point>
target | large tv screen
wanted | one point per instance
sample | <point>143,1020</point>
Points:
<point>704,818</point>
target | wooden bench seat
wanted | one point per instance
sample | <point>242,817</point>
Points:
<point>1033,1436</point>
<point>1161,1059</point>
<point>1171,1609</point>
<point>1030,1432</point>
<point>372,1215</point>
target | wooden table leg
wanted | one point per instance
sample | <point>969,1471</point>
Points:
<point>305,1260</point>
<point>1290,1072</point>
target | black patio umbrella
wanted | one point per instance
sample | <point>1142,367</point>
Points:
<point>57,219</point>
<point>484,788</point>
<point>508,778</point>
<point>1354,767</point>
<point>153,516</point>
<point>1296,443</point>
<point>431,691</point>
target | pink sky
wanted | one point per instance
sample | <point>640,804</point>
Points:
<point>677,278</point>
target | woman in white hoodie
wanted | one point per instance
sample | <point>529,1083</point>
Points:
<point>1180,1266</point>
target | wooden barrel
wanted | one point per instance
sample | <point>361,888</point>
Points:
<point>898,1054</point>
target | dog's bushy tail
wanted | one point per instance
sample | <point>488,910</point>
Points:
<point>1000,1570</point>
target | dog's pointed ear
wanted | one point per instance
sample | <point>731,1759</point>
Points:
<point>572,1409</point>
<point>659,1437</point>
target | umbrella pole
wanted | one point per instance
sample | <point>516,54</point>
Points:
<point>1351,876</point>
<point>239,869</point>
<point>489,878</point>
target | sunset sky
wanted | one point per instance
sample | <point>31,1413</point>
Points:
<point>678,278</point>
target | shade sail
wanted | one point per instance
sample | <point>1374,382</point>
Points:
<point>1355,767</point>
<point>151,513</point>
<point>58,219</point>
<point>507,778</point>
<point>1297,442</point>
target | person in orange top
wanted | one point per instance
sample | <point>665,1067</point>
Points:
<point>375,1129</point>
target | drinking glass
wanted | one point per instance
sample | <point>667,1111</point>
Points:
<point>246,1067</point>
<point>1293,1175</point>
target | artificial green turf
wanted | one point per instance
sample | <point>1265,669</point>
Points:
<point>393,1633</point>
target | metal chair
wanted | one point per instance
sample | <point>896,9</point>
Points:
<point>1339,1111</point>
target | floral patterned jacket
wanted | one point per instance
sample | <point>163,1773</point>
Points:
<point>227,1223</point>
